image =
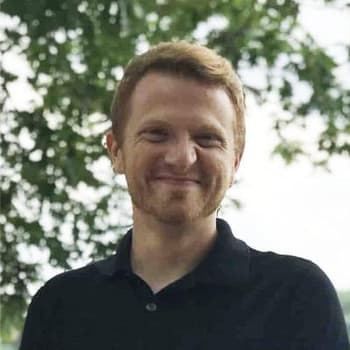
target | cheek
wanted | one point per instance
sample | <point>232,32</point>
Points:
<point>141,164</point>
<point>226,173</point>
<point>216,171</point>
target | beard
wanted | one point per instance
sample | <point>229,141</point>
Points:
<point>174,206</point>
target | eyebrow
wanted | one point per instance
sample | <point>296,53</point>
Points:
<point>210,128</point>
<point>205,127</point>
<point>156,122</point>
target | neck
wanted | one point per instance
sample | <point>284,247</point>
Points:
<point>162,253</point>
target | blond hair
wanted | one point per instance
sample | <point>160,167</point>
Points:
<point>188,60</point>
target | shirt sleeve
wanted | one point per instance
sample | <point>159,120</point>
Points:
<point>319,320</point>
<point>33,336</point>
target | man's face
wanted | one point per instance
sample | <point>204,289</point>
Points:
<point>178,148</point>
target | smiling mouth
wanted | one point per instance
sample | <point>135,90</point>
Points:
<point>183,181</point>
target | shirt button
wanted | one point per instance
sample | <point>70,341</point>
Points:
<point>151,307</point>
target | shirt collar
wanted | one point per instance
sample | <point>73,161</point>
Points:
<point>226,264</point>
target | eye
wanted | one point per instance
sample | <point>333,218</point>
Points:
<point>155,135</point>
<point>209,140</point>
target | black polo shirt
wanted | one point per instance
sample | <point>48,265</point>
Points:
<point>237,298</point>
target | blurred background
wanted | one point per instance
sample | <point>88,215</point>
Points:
<point>60,61</point>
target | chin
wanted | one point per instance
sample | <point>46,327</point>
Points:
<point>176,207</point>
<point>176,219</point>
<point>181,216</point>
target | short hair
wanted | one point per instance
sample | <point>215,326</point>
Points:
<point>181,59</point>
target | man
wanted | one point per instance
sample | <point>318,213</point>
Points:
<point>179,279</point>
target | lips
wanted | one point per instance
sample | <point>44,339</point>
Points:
<point>176,180</point>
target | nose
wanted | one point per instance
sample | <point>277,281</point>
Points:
<point>181,155</point>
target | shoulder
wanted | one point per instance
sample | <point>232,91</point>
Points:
<point>299,281</point>
<point>300,289</point>
<point>288,268</point>
<point>63,293</point>
<point>74,281</point>
<point>303,288</point>
<point>68,289</point>
<point>303,281</point>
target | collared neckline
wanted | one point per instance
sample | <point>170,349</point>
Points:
<point>227,263</point>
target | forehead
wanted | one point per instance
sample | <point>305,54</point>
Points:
<point>166,91</point>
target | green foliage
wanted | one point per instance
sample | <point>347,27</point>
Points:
<point>344,297</point>
<point>76,50</point>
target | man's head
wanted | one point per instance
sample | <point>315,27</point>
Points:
<point>186,60</point>
<point>177,131</point>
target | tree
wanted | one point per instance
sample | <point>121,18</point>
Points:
<point>76,50</point>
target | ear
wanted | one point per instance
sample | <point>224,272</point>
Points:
<point>235,164</point>
<point>115,152</point>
